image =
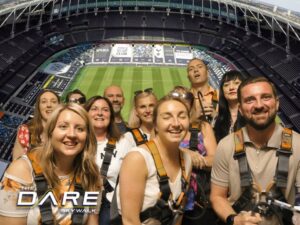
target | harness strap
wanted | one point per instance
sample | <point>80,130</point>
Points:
<point>77,217</point>
<point>215,99</point>
<point>240,155</point>
<point>194,129</point>
<point>281,175</point>
<point>109,150</point>
<point>42,187</point>
<point>161,210</point>
<point>139,138</point>
<point>283,154</point>
<point>163,180</point>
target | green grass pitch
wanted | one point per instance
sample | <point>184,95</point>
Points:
<point>92,80</point>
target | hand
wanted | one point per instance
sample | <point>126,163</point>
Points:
<point>198,160</point>
<point>296,218</point>
<point>208,108</point>
<point>247,218</point>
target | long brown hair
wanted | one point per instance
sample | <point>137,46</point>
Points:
<point>112,130</point>
<point>84,164</point>
<point>35,125</point>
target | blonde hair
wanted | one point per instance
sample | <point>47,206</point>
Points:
<point>85,166</point>
<point>134,121</point>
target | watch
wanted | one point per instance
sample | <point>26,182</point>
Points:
<point>230,219</point>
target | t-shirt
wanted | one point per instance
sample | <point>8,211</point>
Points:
<point>121,149</point>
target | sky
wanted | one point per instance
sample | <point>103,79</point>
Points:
<point>288,4</point>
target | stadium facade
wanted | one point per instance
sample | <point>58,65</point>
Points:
<point>258,39</point>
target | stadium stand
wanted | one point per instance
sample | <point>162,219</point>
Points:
<point>107,27</point>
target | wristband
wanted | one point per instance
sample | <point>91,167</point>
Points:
<point>230,219</point>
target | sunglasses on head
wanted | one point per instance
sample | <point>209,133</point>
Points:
<point>147,90</point>
<point>187,96</point>
<point>77,100</point>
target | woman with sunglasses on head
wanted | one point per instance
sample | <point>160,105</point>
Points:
<point>228,119</point>
<point>64,163</point>
<point>140,120</point>
<point>111,149</point>
<point>30,135</point>
<point>154,176</point>
<point>200,144</point>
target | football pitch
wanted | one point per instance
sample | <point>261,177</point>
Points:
<point>92,80</point>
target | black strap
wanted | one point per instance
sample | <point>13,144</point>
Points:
<point>77,216</point>
<point>109,150</point>
<point>240,155</point>
<point>281,175</point>
<point>283,154</point>
<point>45,209</point>
<point>194,130</point>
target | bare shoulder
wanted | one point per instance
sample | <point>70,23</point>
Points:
<point>20,168</point>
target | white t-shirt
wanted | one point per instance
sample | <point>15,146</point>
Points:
<point>152,191</point>
<point>128,135</point>
<point>121,149</point>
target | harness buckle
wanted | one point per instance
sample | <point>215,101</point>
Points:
<point>285,152</point>
<point>174,210</point>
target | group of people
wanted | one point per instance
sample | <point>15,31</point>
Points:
<point>196,156</point>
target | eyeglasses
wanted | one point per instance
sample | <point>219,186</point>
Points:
<point>187,96</point>
<point>147,90</point>
<point>77,100</point>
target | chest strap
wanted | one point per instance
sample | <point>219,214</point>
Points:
<point>194,130</point>
<point>215,99</point>
<point>139,138</point>
<point>109,150</point>
<point>281,174</point>
<point>41,189</point>
<point>283,154</point>
<point>163,179</point>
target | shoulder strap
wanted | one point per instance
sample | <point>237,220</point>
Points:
<point>240,155</point>
<point>109,150</point>
<point>139,138</point>
<point>162,174</point>
<point>41,189</point>
<point>283,153</point>
<point>77,216</point>
<point>194,129</point>
<point>215,99</point>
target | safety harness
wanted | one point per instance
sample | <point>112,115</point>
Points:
<point>215,99</point>
<point>280,178</point>
<point>109,150</point>
<point>42,188</point>
<point>165,209</point>
<point>194,130</point>
<point>202,179</point>
<point>138,136</point>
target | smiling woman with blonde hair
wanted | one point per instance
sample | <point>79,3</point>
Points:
<point>65,163</point>
<point>155,192</point>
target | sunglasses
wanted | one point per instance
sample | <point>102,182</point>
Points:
<point>147,90</point>
<point>187,96</point>
<point>77,100</point>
